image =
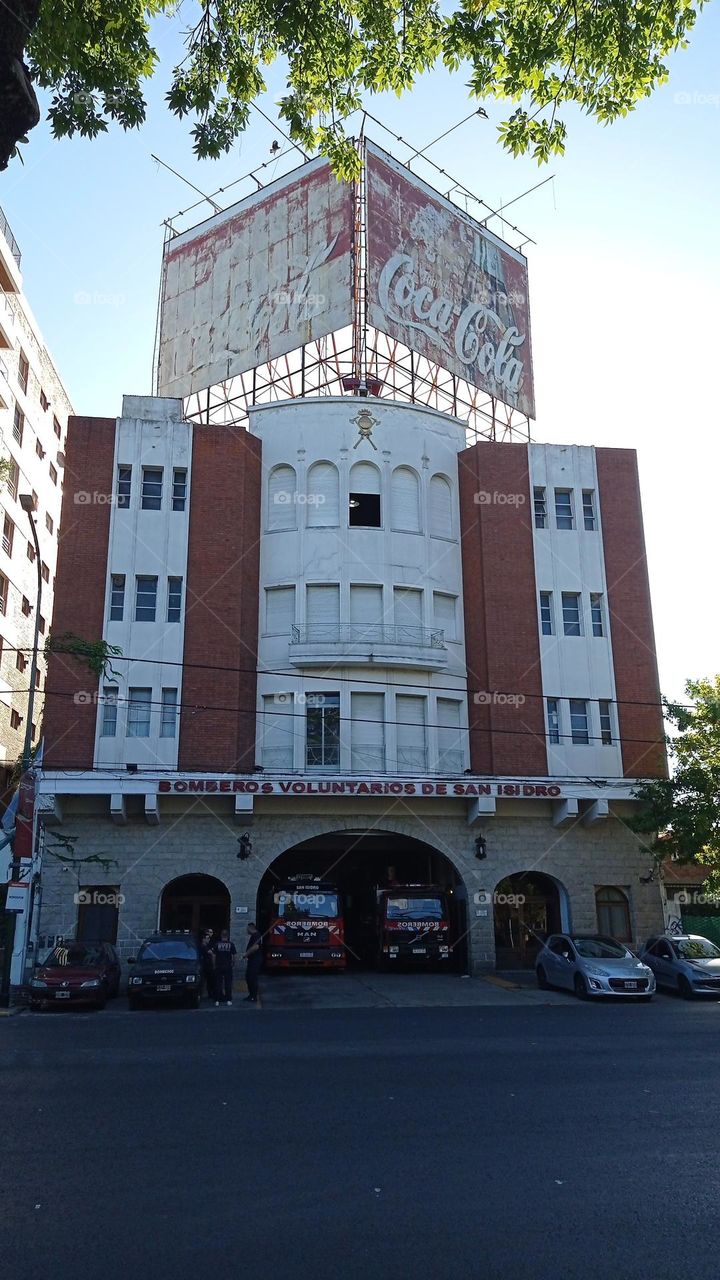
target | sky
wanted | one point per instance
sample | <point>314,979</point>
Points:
<point>624,281</point>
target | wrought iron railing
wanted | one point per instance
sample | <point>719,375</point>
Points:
<point>371,633</point>
<point>14,246</point>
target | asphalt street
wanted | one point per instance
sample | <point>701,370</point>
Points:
<point>515,1140</point>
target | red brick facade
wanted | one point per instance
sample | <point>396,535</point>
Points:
<point>501,630</point>
<point>217,724</point>
<point>69,725</point>
<point>631,627</point>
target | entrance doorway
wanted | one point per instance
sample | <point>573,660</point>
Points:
<point>359,863</point>
<point>527,909</point>
<point>195,903</point>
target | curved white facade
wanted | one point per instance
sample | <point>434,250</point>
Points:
<point>369,613</point>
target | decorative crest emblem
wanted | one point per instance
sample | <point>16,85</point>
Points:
<point>364,422</point>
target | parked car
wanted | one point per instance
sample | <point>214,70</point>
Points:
<point>686,963</point>
<point>168,967</point>
<point>76,973</point>
<point>592,965</point>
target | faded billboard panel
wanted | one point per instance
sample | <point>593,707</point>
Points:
<point>258,280</point>
<point>445,286</point>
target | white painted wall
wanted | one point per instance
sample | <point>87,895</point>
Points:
<point>573,561</point>
<point>150,433</point>
<point>300,433</point>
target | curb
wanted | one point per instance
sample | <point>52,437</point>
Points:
<point>504,983</point>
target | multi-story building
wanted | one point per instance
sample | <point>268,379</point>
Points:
<point>34,409</point>
<point>386,655</point>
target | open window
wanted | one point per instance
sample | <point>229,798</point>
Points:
<point>364,498</point>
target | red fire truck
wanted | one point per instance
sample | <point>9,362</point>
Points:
<point>307,929</point>
<point>413,926</point>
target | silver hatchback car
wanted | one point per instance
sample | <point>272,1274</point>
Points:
<point>592,965</point>
<point>687,963</point>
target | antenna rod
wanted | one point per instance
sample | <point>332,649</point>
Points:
<point>515,199</point>
<point>187,182</point>
<point>421,150</point>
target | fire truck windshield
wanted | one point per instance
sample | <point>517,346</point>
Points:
<point>414,909</point>
<point>300,905</point>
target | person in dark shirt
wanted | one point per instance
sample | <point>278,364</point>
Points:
<point>208,963</point>
<point>253,957</point>
<point>224,952</point>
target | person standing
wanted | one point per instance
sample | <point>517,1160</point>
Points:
<point>208,963</point>
<point>224,953</point>
<point>253,957</point>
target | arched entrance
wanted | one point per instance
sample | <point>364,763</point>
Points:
<point>359,863</point>
<point>528,907</point>
<point>195,903</point>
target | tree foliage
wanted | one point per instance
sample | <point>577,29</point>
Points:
<point>603,55</point>
<point>682,813</point>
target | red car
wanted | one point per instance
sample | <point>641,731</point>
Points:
<point>76,973</point>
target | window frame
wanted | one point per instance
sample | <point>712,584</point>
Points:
<point>622,901</point>
<point>580,737</point>
<point>606,725</point>
<point>135,704</point>
<point>565,528</point>
<point>547,621</point>
<point>569,623</point>
<point>330,746</point>
<point>149,499</point>
<point>597,615</point>
<point>174,594</point>
<point>590,523</point>
<point>179,488</point>
<point>146,608</point>
<point>117,586</point>
<point>552,719</point>
<point>540,511</point>
<point>168,713</point>
<point>109,714</point>
<point>124,486</point>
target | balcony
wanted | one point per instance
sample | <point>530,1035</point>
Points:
<point>8,277</point>
<point>381,644</point>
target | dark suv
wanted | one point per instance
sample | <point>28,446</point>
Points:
<point>167,968</point>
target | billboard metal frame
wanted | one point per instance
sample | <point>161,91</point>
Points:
<point>358,360</point>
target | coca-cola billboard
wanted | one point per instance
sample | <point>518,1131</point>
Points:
<point>445,286</point>
<point>256,281</point>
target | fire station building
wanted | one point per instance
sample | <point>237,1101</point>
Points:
<point>380,652</point>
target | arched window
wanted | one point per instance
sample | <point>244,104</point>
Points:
<point>440,508</point>
<point>613,912</point>
<point>405,500</point>
<point>282,498</point>
<point>323,495</point>
<point>364,497</point>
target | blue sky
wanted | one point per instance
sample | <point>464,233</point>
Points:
<point>624,283</point>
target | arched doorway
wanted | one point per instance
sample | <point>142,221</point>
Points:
<point>528,907</point>
<point>360,862</point>
<point>195,903</point>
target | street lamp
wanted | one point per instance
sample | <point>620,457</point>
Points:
<point>27,503</point>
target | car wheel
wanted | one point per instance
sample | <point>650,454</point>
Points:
<point>541,978</point>
<point>684,988</point>
<point>580,987</point>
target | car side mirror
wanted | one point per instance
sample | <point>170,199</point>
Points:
<point>567,956</point>
<point>132,959</point>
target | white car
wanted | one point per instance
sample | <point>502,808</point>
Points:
<point>592,965</point>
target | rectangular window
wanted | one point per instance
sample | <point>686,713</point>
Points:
<point>20,660</point>
<point>588,498</point>
<point>15,720</point>
<point>98,911</point>
<point>579,722</point>
<point>571,613</point>
<point>124,487</point>
<point>44,402</point>
<point>367,732</point>
<point>411,729</point>
<point>366,611</point>
<point>540,505</point>
<point>31,552</point>
<point>117,597</point>
<point>139,708</point>
<point>553,721</point>
<point>408,611</point>
<point>279,610</point>
<point>451,755</point>
<point>108,725</point>
<point>13,479</point>
<point>564,509</point>
<point>152,488</point>
<point>57,428</point>
<point>145,598</point>
<point>41,625</point>
<point>168,713</point>
<point>8,535</point>
<point>26,607</point>
<point>53,474</point>
<point>174,605</point>
<point>546,613</point>
<point>322,605</point>
<point>45,572</point>
<point>23,371</point>
<point>322,719</point>
<point>605,723</point>
<point>278,731</point>
<point>34,501</point>
<point>38,679</point>
<point>364,511</point>
<point>49,525</point>
<point>3,593</point>
<point>596,614</point>
<point>18,424</point>
<point>445,614</point>
<point>179,494</point>
<point>39,449</point>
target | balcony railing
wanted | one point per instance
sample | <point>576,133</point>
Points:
<point>380,633</point>
<point>14,246</point>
